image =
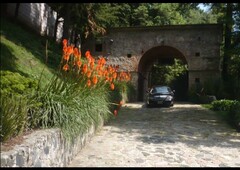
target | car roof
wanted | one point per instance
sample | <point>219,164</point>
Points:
<point>160,86</point>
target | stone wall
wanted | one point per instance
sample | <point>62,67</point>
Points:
<point>46,148</point>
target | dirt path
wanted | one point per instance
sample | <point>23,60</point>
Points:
<point>185,135</point>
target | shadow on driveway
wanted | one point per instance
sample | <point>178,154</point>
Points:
<point>187,123</point>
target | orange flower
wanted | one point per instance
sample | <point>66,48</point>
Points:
<point>76,53</point>
<point>99,73</point>
<point>105,73</point>
<point>114,75</point>
<point>110,79</point>
<point>88,83</point>
<point>65,49</point>
<point>115,112</point>
<point>84,69</point>
<point>66,67</point>
<point>79,63</point>
<point>90,59</point>
<point>91,65</point>
<point>98,67</point>
<point>94,80</point>
<point>102,61</point>
<point>89,73</point>
<point>69,50</point>
<point>65,41</point>
<point>87,54</point>
<point>112,86</point>
<point>66,57</point>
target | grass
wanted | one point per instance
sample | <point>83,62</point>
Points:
<point>25,52</point>
<point>208,106</point>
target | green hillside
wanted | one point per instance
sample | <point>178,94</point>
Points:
<point>23,51</point>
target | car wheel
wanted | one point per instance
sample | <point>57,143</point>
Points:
<point>169,104</point>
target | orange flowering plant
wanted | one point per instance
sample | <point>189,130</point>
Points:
<point>90,72</point>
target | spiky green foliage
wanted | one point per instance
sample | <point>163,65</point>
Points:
<point>13,113</point>
<point>71,106</point>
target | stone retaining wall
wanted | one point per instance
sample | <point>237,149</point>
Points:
<point>46,148</point>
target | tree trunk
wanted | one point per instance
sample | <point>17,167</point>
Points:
<point>227,45</point>
<point>66,22</point>
<point>4,7</point>
<point>16,10</point>
<point>56,27</point>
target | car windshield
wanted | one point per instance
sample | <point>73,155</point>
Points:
<point>161,89</point>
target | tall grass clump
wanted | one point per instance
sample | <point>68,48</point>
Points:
<point>13,112</point>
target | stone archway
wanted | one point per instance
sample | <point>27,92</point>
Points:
<point>132,47</point>
<point>156,54</point>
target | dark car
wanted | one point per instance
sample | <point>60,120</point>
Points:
<point>160,95</point>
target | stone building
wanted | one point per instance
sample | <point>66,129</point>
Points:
<point>136,49</point>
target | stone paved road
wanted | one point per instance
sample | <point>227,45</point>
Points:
<point>185,135</point>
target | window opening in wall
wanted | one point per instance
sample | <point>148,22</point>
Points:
<point>197,80</point>
<point>98,47</point>
<point>129,55</point>
<point>197,54</point>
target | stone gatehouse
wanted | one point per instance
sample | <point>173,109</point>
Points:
<point>136,49</point>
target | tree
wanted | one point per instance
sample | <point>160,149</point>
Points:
<point>79,18</point>
<point>94,18</point>
<point>228,15</point>
<point>166,74</point>
<point>58,8</point>
<point>16,10</point>
<point>166,14</point>
<point>225,16</point>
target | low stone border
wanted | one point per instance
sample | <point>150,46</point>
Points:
<point>46,148</point>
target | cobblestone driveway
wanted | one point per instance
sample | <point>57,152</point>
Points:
<point>185,135</point>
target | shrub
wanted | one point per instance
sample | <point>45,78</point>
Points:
<point>130,92</point>
<point>13,83</point>
<point>231,107</point>
<point>124,91</point>
<point>224,105</point>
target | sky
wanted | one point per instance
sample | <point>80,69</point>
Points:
<point>204,8</point>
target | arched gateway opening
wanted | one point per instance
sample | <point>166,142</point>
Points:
<point>162,55</point>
